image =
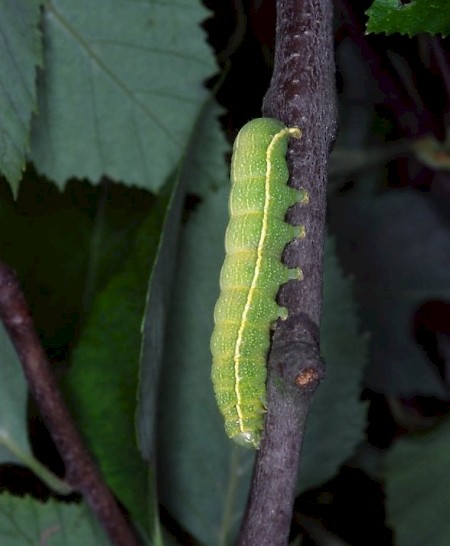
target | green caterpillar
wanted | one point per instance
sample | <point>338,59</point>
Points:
<point>252,274</point>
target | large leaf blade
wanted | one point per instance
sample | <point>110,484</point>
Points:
<point>417,487</point>
<point>198,461</point>
<point>397,266</point>
<point>106,361</point>
<point>337,419</point>
<point>121,90</point>
<point>20,52</point>
<point>14,443</point>
<point>198,173</point>
<point>28,521</point>
<point>13,403</point>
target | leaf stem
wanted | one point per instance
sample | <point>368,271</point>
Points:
<point>81,472</point>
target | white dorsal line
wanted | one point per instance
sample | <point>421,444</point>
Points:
<point>259,255</point>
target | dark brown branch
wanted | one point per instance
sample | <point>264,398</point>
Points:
<point>295,371</point>
<point>81,472</point>
<point>442,62</point>
<point>302,93</point>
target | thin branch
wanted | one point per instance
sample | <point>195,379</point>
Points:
<point>302,93</point>
<point>442,61</point>
<point>81,472</point>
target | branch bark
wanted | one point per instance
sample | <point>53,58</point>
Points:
<point>301,93</point>
<point>81,471</point>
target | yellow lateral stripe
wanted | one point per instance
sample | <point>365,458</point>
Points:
<point>243,321</point>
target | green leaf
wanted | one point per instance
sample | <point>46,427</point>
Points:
<point>198,172</point>
<point>65,246</point>
<point>14,444</point>
<point>192,443</point>
<point>13,404</point>
<point>332,435</point>
<point>413,17</point>
<point>207,159</point>
<point>417,492</point>
<point>20,52</point>
<point>102,386</point>
<point>398,248</point>
<point>197,460</point>
<point>26,521</point>
<point>103,379</point>
<point>121,90</point>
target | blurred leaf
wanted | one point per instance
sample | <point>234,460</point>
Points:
<point>412,17</point>
<point>186,394</point>
<point>204,477</point>
<point>106,359</point>
<point>432,152</point>
<point>122,87</point>
<point>204,158</point>
<point>103,378</point>
<point>152,340</point>
<point>198,460</point>
<point>346,161</point>
<point>337,420</point>
<point>119,212</point>
<point>399,250</point>
<point>170,540</point>
<point>13,404</point>
<point>20,51</point>
<point>102,385</point>
<point>417,492</point>
<point>24,520</point>
<point>65,246</point>
<point>14,444</point>
<point>209,156</point>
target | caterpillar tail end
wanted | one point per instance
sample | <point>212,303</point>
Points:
<point>249,439</point>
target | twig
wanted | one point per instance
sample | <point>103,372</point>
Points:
<point>442,62</point>
<point>81,471</point>
<point>302,93</point>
